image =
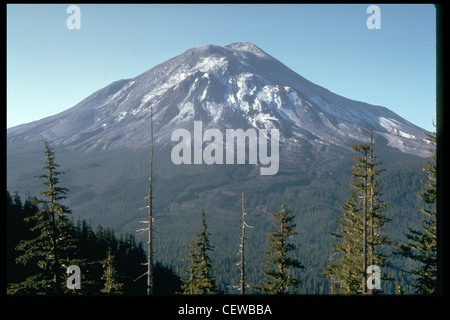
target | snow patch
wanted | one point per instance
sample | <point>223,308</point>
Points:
<point>204,93</point>
<point>186,110</point>
<point>261,118</point>
<point>388,124</point>
<point>119,93</point>
<point>293,96</point>
<point>159,90</point>
<point>210,64</point>
<point>406,135</point>
<point>121,116</point>
<point>393,127</point>
<point>247,46</point>
<point>215,110</point>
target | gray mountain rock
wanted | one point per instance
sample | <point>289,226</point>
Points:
<point>235,86</point>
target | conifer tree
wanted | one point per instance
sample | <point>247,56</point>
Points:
<point>360,228</point>
<point>421,244</point>
<point>200,272</point>
<point>278,280</point>
<point>17,230</point>
<point>110,275</point>
<point>53,245</point>
<point>346,273</point>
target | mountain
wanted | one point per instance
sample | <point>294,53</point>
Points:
<point>235,86</point>
<point>103,146</point>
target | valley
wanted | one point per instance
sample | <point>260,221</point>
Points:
<point>108,188</point>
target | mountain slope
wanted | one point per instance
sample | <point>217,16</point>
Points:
<point>235,86</point>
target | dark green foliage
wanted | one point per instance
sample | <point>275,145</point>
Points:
<point>279,256</point>
<point>95,253</point>
<point>420,245</point>
<point>107,188</point>
<point>165,281</point>
<point>112,263</point>
<point>361,241</point>
<point>200,279</point>
<point>112,279</point>
<point>51,248</point>
<point>42,243</point>
<point>346,273</point>
<point>16,230</point>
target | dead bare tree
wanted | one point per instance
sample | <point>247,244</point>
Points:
<point>149,222</point>
<point>150,215</point>
<point>242,285</point>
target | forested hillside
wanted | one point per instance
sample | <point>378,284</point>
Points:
<point>315,207</point>
<point>93,247</point>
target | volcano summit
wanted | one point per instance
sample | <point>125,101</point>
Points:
<point>238,86</point>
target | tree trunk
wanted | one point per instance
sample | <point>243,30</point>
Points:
<point>150,216</point>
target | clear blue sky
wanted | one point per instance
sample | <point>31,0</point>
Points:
<point>51,68</point>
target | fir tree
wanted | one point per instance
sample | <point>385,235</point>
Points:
<point>17,230</point>
<point>200,280</point>
<point>167,282</point>
<point>421,244</point>
<point>346,273</point>
<point>360,228</point>
<point>278,280</point>
<point>51,249</point>
<point>111,277</point>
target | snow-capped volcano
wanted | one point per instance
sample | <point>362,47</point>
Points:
<point>234,86</point>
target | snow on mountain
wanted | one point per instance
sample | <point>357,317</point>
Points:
<point>234,86</point>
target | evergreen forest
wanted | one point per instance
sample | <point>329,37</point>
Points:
<point>268,253</point>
